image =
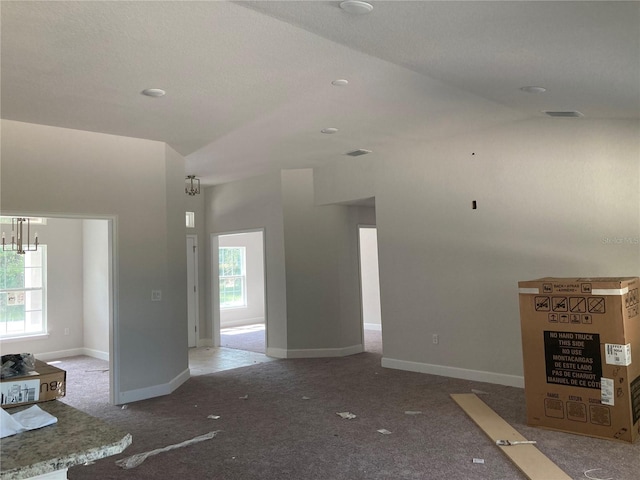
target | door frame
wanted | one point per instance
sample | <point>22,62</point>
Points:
<point>193,307</point>
<point>215,283</point>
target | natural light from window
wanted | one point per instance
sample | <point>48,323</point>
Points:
<point>190,219</point>
<point>22,293</point>
<point>232,277</point>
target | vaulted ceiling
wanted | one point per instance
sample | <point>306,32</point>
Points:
<point>249,84</point>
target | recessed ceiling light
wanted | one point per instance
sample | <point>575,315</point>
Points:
<point>533,89</point>
<point>329,130</point>
<point>154,92</point>
<point>356,7</point>
<point>341,82</point>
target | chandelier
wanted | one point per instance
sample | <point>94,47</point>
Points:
<point>192,185</point>
<point>18,244</point>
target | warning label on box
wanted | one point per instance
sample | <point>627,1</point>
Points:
<point>573,359</point>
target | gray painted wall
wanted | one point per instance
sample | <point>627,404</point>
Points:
<point>314,308</point>
<point>251,204</point>
<point>550,194</point>
<point>140,184</point>
<point>96,302</point>
<point>555,197</point>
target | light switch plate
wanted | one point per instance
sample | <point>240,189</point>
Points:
<point>156,295</point>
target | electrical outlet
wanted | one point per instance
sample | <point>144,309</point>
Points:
<point>156,295</point>
<point>436,339</point>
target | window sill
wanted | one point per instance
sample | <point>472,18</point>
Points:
<point>25,338</point>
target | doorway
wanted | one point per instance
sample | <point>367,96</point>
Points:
<point>192,290</point>
<point>78,304</point>
<point>241,291</point>
<point>370,288</point>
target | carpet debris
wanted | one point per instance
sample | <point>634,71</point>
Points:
<point>243,398</point>
<point>478,392</point>
<point>215,417</point>
<point>346,415</point>
<point>413,412</point>
<point>135,460</point>
<point>306,398</point>
<point>384,431</point>
<point>478,460</point>
<point>124,407</point>
<point>586,474</point>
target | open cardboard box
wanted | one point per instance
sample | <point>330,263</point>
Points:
<point>45,383</point>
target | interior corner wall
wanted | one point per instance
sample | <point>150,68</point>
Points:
<point>555,197</point>
<point>174,292</point>
<point>344,181</point>
<point>95,278</point>
<point>251,204</point>
<point>323,298</point>
<point>135,182</point>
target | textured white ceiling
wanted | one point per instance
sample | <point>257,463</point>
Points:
<point>249,83</point>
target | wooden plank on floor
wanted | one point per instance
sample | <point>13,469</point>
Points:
<point>533,463</point>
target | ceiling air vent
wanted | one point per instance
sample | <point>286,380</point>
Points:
<point>569,114</point>
<point>357,153</point>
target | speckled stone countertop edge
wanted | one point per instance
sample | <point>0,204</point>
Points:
<point>71,460</point>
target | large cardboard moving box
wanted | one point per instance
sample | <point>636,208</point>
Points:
<point>45,383</point>
<point>581,349</point>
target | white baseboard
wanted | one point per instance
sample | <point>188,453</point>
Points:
<point>204,342</point>
<point>241,323</point>
<point>90,352</point>
<point>72,352</point>
<point>314,352</point>
<point>276,352</point>
<point>373,326</point>
<point>153,391</point>
<point>454,372</point>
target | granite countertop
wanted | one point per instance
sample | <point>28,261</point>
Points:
<point>77,438</point>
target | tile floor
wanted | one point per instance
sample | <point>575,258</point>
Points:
<point>204,360</point>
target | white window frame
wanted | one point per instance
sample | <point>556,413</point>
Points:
<point>242,277</point>
<point>32,220</point>
<point>190,219</point>
<point>24,333</point>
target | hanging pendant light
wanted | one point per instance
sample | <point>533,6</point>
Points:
<point>18,244</point>
<point>192,185</point>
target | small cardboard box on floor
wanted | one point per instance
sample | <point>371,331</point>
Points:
<point>45,383</point>
<point>581,349</point>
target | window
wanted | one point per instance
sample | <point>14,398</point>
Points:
<point>190,218</point>
<point>232,273</point>
<point>22,293</point>
<point>32,220</point>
